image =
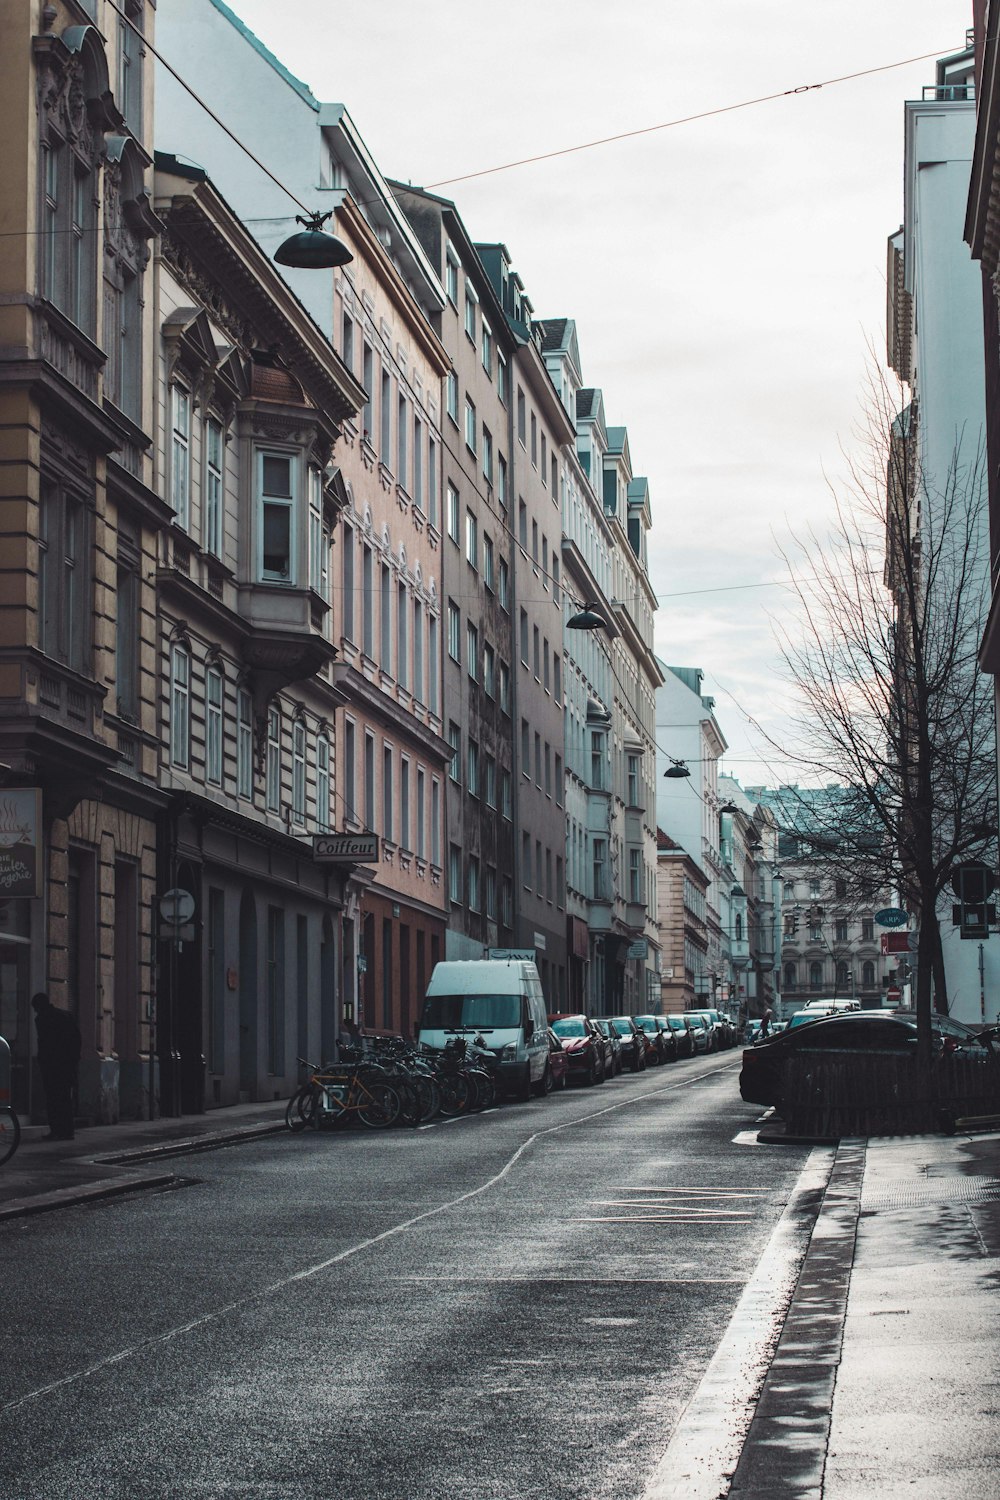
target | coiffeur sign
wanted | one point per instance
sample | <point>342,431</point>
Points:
<point>346,848</point>
<point>20,825</point>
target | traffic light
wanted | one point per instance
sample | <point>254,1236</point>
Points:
<point>973,914</point>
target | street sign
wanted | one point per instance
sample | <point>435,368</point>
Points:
<point>346,848</point>
<point>973,881</point>
<point>893,994</point>
<point>638,948</point>
<point>900,942</point>
<point>892,916</point>
<point>177,907</point>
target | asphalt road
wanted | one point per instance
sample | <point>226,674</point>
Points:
<point>519,1304</point>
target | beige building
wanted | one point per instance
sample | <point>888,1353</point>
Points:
<point>79,525</point>
<point>681,888</point>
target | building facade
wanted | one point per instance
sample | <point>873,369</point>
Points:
<point>681,890</point>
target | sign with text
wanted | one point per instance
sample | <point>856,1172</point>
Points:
<point>899,942</point>
<point>892,916</point>
<point>346,848</point>
<point>20,834</point>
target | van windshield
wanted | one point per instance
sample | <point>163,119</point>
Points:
<point>470,1012</point>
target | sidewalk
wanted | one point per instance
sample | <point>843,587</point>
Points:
<point>884,1380</point>
<point>104,1160</point>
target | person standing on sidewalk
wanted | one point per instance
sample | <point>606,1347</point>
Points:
<point>59,1047</point>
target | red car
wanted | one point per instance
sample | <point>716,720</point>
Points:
<point>584,1045</point>
<point>558,1073</point>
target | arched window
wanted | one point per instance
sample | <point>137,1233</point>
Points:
<point>868,976</point>
<point>815,976</point>
<point>843,976</point>
<point>791,976</point>
<point>739,928</point>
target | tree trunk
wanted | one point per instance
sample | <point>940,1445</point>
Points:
<point>926,945</point>
<point>940,980</point>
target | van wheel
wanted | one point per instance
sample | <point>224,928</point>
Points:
<point>525,1091</point>
<point>544,1085</point>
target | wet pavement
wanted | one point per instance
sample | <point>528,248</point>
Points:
<point>884,1380</point>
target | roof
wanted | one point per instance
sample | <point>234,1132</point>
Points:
<point>553,333</point>
<point>302,89</point>
<point>617,438</point>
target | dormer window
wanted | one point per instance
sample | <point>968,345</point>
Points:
<point>276,502</point>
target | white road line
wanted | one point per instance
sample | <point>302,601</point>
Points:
<point>276,1287</point>
<point>709,1435</point>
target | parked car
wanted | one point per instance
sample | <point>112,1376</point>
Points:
<point>587,1052</point>
<point>718,1035</point>
<point>699,1031</point>
<point>657,1052</point>
<point>613,1038</point>
<point>683,1040</point>
<point>633,1042</point>
<point>558,1061</point>
<point>669,1037</point>
<point>762,1072</point>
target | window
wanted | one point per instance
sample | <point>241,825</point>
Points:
<point>840,889</point>
<point>453,512</point>
<point>387,823</point>
<point>385,404</point>
<point>127,583</point>
<point>526,861</point>
<point>814,886</point>
<point>470,425</point>
<point>633,780</point>
<point>556,676</point>
<point>840,930</point>
<point>213,726</point>
<point>180,707</point>
<point>274,760</point>
<point>385,617</point>
<point>473,883</point>
<point>536,652</point>
<point>421,813</point>
<point>597,761</point>
<point>348,342</point>
<point>472,633</point>
<point>276,495</point>
<point>432,482</point>
<point>545,463</point>
<point>470,312</point>
<point>524,636</point>
<point>489,671</point>
<point>402,428</point>
<point>487,455</point>
<point>534,440</point>
<point>525,748</point>
<point>471,539</point>
<point>402,634</point>
<point>545,662</point>
<point>791,976</point>
<point>455,741</point>
<point>503,584</point>
<point>502,490</point>
<point>503,378</point>
<point>472,763</point>
<point>418,463</point>
<point>559,780</point>
<point>489,565</point>
<point>491,892</point>
<point>635,876</point>
<point>323,783</point>
<point>64,590</point>
<point>505,687</point>
<point>538,866</point>
<point>370,782</point>
<point>433,665</point>
<point>534,544</point>
<point>319,539</point>
<point>299,771</point>
<point>816,976</point>
<point>867,929</point>
<point>548,769</point>
<point>507,901</point>
<point>436,823</point>
<point>599,865</point>
<point>347,576</point>
<point>490,780</point>
<point>538,760</point>
<point>844,981</point>
<point>486,348</point>
<point>244,744</point>
<point>368,381</point>
<point>520,416</point>
<point>555,475</point>
<point>451,276</point>
<point>454,632</point>
<point>506,794</point>
<point>404,803</point>
<point>418,651</point>
<point>451,396</point>
<point>214,451</point>
<point>180,455</point>
<point>522,526</point>
<point>368,602</point>
<point>350,797</point>
<point>455,874</point>
<point>868,975</point>
<point>549,888</point>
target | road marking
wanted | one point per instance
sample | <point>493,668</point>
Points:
<point>746,1138</point>
<point>308,1272</point>
<point>708,1438</point>
<point>684,1218</point>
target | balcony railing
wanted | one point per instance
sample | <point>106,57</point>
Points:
<point>949,93</point>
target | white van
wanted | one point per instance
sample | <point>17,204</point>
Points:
<point>500,1000</point>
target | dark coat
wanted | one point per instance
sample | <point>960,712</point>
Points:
<point>59,1042</point>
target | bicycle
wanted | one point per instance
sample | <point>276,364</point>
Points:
<point>336,1094</point>
<point>10,1133</point>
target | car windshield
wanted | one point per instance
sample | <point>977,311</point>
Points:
<point>648,1023</point>
<point>571,1026</point>
<point>471,1012</point>
<point>624,1024</point>
<point>676,1023</point>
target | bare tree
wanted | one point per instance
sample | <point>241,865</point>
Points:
<point>893,707</point>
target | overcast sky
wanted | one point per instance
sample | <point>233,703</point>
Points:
<point>726,276</point>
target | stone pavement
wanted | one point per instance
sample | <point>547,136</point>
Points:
<point>104,1160</point>
<point>885,1380</point>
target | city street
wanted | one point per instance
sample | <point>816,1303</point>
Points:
<point>515,1304</point>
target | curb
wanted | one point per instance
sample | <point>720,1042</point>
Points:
<point>194,1143</point>
<point>42,1203</point>
<point>784,1455</point>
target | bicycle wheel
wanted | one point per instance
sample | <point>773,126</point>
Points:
<point>482,1089</point>
<point>430,1095</point>
<point>410,1112</point>
<point>379,1106</point>
<point>10,1134</point>
<point>454,1094</point>
<point>293,1114</point>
